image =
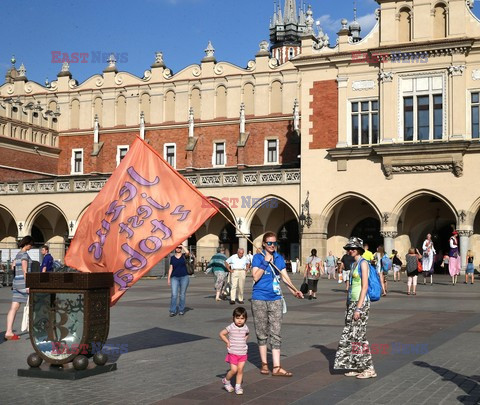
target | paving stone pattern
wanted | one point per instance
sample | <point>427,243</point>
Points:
<point>180,360</point>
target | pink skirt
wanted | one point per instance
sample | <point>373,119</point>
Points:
<point>454,266</point>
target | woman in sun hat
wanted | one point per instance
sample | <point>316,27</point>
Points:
<point>353,351</point>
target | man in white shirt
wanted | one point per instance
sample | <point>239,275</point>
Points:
<point>238,268</point>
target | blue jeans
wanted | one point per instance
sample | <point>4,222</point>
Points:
<point>178,283</point>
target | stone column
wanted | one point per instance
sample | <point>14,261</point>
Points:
<point>388,243</point>
<point>464,246</point>
<point>242,242</point>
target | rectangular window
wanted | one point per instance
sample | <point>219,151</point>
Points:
<point>365,130</point>
<point>169,154</point>
<point>272,151</point>
<point>437,116</point>
<point>121,152</point>
<point>77,161</point>
<point>475,102</point>
<point>408,118</point>
<point>423,119</point>
<point>423,114</point>
<point>219,154</point>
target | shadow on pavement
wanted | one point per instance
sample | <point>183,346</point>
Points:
<point>147,339</point>
<point>466,383</point>
<point>329,354</point>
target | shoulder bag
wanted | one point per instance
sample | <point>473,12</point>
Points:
<point>189,265</point>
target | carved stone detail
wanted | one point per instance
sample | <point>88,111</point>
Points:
<point>385,76</point>
<point>456,70</point>
<point>389,234</point>
<point>360,85</point>
<point>465,233</point>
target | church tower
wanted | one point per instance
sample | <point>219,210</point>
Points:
<point>286,30</point>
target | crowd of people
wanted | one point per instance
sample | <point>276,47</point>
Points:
<point>355,268</point>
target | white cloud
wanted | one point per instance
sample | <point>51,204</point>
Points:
<point>367,22</point>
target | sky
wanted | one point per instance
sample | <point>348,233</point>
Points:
<point>135,30</point>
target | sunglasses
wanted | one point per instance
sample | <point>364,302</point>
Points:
<point>271,243</point>
<point>178,247</point>
<point>349,249</point>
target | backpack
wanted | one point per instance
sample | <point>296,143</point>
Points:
<point>386,263</point>
<point>374,291</point>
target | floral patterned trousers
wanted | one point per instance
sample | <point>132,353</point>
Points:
<point>353,351</point>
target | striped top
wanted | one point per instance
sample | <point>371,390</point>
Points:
<point>238,339</point>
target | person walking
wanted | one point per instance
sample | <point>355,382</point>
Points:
<point>427,259</point>
<point>377,259</point>
<point>238,268</point>
<point>47,262</point>
<point>397,266</point>
<point>353,351</point>
<point>454,258</point>
<point>312,273</point>
<point>470,270</point>
<point>218,265</point>
<point>178,279</point>
<point>330,264</point>
<point>21,265</point>
<point>345,267</point>
<point>412,259</point>
<point>267,302</point>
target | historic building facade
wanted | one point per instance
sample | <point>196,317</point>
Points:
<point>376,137</point>
<point>392,124</point>
<point>232,132</point>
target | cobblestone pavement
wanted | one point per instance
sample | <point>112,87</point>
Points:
<point>431,357</point>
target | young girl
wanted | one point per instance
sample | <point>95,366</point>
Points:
<point>237,348</point>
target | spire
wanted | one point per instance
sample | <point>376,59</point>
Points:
<point>354,27</point>
<point>290,12</point>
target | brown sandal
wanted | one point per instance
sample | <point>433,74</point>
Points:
<point>281,372</point>
<point>264,369</point>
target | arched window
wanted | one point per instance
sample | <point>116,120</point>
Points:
<point>121,110</point>
<point>97,109</point>
<point>221,101</point>
<point>170,106</point>
<point>440,21</point>
<point>145,107</point>
<point>248,99</point>
<point>291,53</point>
<point>75,114</point>
<point>195,102</point>
<point>405,25</point>
<point>276,98</point>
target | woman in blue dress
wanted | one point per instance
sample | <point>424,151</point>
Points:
<point>21,265</point>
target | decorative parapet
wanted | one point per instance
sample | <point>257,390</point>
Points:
<point>200,180</point>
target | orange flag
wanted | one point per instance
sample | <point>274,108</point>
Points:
<point>144,210</point>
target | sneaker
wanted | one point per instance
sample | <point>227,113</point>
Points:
<point>369,373</point>
<point>181,313</point>
<point>314,298</point>
<point>241,302</point>
<point>226,384</point>
<point>172,314</point>
<point>232,302</point>
<point>238,390</point>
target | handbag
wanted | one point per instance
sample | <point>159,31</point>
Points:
<point>419,266</point>
<point>304,286</point>
<point>189,265</point>
<point>26,311</point>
